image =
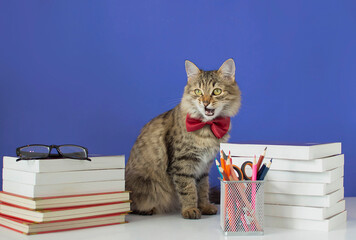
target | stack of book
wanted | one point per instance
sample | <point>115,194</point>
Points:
<point>50,195</point>
<point>304,186</point>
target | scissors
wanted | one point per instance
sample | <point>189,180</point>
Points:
<point>241,172</point>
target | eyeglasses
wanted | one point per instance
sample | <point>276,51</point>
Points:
<point>39,151</point>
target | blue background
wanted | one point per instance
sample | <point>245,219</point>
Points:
<point>94,72</point>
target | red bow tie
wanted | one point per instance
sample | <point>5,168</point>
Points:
<point>219,126</point>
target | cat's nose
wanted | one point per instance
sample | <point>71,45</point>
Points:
<point>206,100</point>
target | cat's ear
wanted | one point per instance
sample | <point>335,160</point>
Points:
<point>227,69</point>
<point>191,69</point>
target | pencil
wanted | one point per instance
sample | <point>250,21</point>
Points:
<point>233,173</point>
<point>260,160</point>
<point>223,155</point>
<point>225,177</point>
<point>264,173</point>
<point>222,163</point>
<point>261,171</point>
<point>217,166</point>
<point>254,170</point>
<point>227,167</point>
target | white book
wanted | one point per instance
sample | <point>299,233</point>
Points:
<point>35,191</point>
<point>64,164</point>
<point>63,201</point>
<point>30,228</point>
<point>306,224</point>
<point>312,189</point>
<point>284,151</point>
<point>311,213</point>
<point>46,178</point>
<point>310,177</point>
<point>64,213</point>
<point>303,200</point>
<point>315,165</point>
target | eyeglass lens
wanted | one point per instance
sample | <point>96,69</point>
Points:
<point>73,152</point>
<point>34,152</point>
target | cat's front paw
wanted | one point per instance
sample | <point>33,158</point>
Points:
<point>191,213</point>
<point>208,209</point>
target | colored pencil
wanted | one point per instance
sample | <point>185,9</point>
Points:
<point>223,154</point>
<point>227,167</point>
<point>217,166</point>
<point>261,171</point>
<point>260,160</point>
<point>226,178</point>
<point>254,170</point>
<point>233,173</point>
<point>265,171</point>
<point>223,163</point>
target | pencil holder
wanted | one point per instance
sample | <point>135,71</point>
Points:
<point>242,207</point>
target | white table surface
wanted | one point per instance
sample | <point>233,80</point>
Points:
<point>170,227</point>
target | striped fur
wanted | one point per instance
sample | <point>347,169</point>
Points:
<point>168,167</point>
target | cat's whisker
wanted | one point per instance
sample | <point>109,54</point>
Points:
<point>172,102</point>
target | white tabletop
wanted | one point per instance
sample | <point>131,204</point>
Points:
<point>175,227</point>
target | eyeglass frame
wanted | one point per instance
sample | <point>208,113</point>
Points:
<point>50,155</point>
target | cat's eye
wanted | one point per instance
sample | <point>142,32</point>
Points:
<point>198,92</point>
<point>217,91</point>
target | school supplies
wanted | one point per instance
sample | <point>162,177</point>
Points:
<point>63,201</point>
<point>311,213</point>
<point>61,177</point>
<point>260,160</point>
<point>239,172</point>
<point>327,224</point>
<point>240,212</point>
<point>56,214</point>
<point>218,167</point>
<point>322,201</point>
<point>242,171</point>
<point>63,165</point>
<point>243,200</point>
<point>306,151</point>
<point>300,188</point>
<point>261,171</point>
<point>265,171</point>
<point>254,170</point>
<point>304,178</point>
<point>328,176</point>
<point>30,228</point>
<point>49,195</point>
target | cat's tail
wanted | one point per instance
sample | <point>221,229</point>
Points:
<point>214,194</point>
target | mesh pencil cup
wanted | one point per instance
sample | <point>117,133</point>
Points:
<point>242,207</point>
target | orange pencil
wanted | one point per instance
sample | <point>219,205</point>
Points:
<point>222,160</point>
<point>227,168</point>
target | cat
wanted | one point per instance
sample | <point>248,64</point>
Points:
<point>168,166</point>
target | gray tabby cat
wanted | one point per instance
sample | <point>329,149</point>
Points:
<point>168,166</point>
